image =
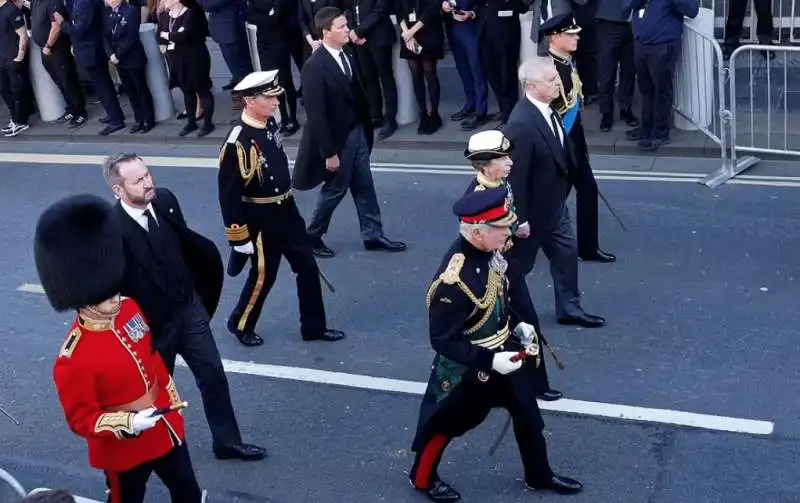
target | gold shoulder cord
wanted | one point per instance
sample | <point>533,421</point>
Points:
<point>255,163</point>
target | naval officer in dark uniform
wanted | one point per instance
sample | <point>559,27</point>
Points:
<point>498,35</point>
<point>489,152</point>
<point>261,218</point>
<point>485,355</point>
<point>562,32</point>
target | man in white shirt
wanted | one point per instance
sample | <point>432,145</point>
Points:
<point>337,140</point>
<point>543,166</point>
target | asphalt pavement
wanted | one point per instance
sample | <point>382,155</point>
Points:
<point>701,309</point>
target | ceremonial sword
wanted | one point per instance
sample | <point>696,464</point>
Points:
<point>5,413</point>
<point>614,213</point>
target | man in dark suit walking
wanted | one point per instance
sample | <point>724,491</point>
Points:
<point>175,275</point>
<point>544,163</point>
<point>373,35</point>
<point>337,141</point>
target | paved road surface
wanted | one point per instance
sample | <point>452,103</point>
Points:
<point>701,308</point>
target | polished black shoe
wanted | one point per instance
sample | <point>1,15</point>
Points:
<point>473,122</point>
<point>290,127</point>
<point>550,395</point>
<point>598,256</point>
<point>634,134</point>
<point>388,130</point>
<point>382,243</point>
<point>606,122</point>
<point>327,335</point>
<point>245,452</point>
<point>584,320</point>
<point>250,339</point>
<point>462,114</point>
<point>439,491</point>
<point>136,128</point>
<point>111,128</point>
<point>559,484</point>
<point>320,249</point>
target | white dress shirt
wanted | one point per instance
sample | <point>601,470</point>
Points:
<point>137,214</point>
<point>335,53</point>
<point>547,112</point>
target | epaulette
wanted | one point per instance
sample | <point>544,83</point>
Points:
<point>452,274</point>
<point>70,344</point>
<point>234,134</point>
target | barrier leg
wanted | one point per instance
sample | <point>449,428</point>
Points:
<point>48,97</point>
<point>157,79</point>
<point>407,110</point>
<point>15,485</point>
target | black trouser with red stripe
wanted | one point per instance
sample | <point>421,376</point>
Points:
<point>467,407</point>
<point>175,471</point>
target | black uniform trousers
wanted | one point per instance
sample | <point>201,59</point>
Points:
<point>134,83</point>
<point>279,57</point>
<point>292,242</point>
<point>468,406</point>
<point>764,26</point>
<point>375,64</point>
<point>189,335</point>
<point>14,87</point>
<point>586,58</point>
<point>586,197</point>
<point>615,47</point>
<point>655,69</point>
<point>500,57</point>
<point>175,471</point>
<point>60,65</point>
<point>105,91</point>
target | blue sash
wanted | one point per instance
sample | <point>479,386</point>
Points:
<point>571,116</point>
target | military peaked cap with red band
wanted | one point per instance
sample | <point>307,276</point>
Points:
<point>490,207</point>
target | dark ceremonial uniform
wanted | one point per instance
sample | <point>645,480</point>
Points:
<point>485,146</point>
<point>569,106</point>
<point>107,371</point>
<point>469,322</point>
<point>257,205</point>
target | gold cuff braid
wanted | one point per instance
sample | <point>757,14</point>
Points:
<point>115,422</point>
<point>172,391</point>
<point>237,232</point>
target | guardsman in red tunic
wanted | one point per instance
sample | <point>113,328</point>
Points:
<point>113,386</point>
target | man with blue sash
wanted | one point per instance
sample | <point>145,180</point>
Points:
<point>562,32</point>
<point>486,356</point>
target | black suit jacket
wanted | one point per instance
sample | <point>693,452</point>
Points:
<point>308,9</point>
<point>370,20</point>
<point>84,27</point>
<point>542,167</point>
<point>276,20</point>
<point>333,105</point>
<point>142,282</point>
<point>121,36</point>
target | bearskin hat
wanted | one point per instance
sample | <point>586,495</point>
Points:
<point>79,253</point>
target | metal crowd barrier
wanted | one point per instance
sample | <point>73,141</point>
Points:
<point>20,491</point>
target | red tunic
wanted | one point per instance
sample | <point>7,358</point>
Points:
<point>106,370</point>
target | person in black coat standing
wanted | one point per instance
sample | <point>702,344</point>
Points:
<point>373,35</point>
<point>124,50</point>
<point>84,27</point>
<point>337,141</point>
<point>182,29</point>
<point>276,22</point>
<point>176,275</point>
<point>422,32</point>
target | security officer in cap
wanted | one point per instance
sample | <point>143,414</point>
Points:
<point>486,356</point>
<point>489,151</point>
<point>562,32</point>
<point>114,388</point>
<point>261,218</point>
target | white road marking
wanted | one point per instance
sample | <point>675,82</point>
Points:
<point>30,288</point>
<point>393,167</point>
<point>609,410</point>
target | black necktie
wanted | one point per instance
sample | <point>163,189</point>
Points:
<point>153,231</point>
<point>346,65</point>
<point>554,122</point>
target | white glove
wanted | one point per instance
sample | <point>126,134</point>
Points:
<point>142,420</point>
<point>502,362</point>
<point>247,249</point>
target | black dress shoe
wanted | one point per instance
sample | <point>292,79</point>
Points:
<point>320,249</point>
<point>146,127</point>
<point>327,335</point>
<point>104,120</point>
<point>550,395</point>
<point>245,452</point>
<point>473,122</point>
<point>634,134</point>
<point>111,128</point>
<point>629,118</point>
<point>388,130</point>
<point>382,243</point>
<point>598,256</point>
<point>135,128</point>
<point>462,114</point>
<point>440,491</point>
<point>559,484</point>
<point>290,127</point>
<point>584,320</point>
<point>606,122</point>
